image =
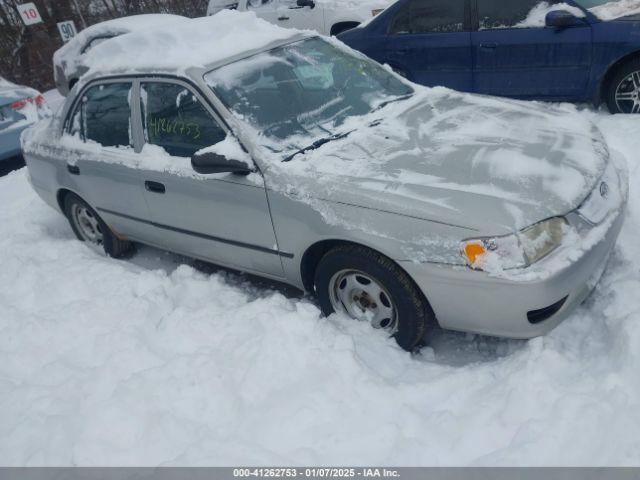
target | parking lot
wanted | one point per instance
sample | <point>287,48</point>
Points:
<point>336,245</point>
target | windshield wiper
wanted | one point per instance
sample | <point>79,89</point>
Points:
<point>318,143</point>
<point>393,100</point>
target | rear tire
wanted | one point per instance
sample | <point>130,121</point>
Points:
<point>623,91</point>
<point>370,287</point>
<point>90,228</point>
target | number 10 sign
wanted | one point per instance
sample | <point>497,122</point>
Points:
<point>29,13</point>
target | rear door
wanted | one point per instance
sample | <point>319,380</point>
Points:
<point>101,161</point>
<point>429,41</point>
<point>223,218</point>
<point>516,55</point>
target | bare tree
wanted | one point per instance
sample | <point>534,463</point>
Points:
<point>26,52</point>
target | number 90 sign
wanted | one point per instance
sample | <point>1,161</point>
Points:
<point>67,30</point>
<point>29,13</point>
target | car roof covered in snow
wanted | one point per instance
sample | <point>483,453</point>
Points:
<point>111,28</point>
<point>181,46</point>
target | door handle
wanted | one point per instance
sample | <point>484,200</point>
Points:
<point>489,46</point>
<point>283,18</point>
<point>73,169</point>
<point>154,187</point>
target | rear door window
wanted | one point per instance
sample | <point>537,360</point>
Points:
<point>103,115</point>
<point>429,16</point>
<point>174,119</point>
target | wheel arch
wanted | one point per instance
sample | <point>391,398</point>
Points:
<point>314,253</point>
<point>62,194</point>
<point>610,72</point>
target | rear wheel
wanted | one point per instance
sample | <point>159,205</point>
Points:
<point>623,93</point>
<point>89,227</point>
<point>370,287</point>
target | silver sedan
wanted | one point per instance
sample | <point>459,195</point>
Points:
<point>307,163</point>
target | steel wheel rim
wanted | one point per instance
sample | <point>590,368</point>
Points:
<point>363,298</point>
<point>628,93</point>
<point>87,224</point>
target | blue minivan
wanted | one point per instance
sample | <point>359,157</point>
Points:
<point>579,51</point>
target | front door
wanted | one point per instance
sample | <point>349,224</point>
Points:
<point>101,160</point>
<point>306,17</point>
<point>429,41</point>
<point>516,55</point>
<point>223,218</point>
<point>287,13</point>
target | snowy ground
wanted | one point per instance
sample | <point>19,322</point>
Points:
<point>152,362</point>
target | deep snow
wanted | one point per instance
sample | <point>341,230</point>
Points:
<point>151,362</point>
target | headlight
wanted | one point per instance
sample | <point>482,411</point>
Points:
<point>515,251</point>
<point>377,11</point>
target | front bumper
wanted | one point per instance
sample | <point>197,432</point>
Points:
<point>474,301</point>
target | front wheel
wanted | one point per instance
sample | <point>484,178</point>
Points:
<point>90,228</point>
<point>370,287</point>
<point>623,95</point>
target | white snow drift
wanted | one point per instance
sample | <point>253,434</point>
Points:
<point>151,362</point>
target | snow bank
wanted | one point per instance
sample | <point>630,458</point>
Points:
<point>151,362</point>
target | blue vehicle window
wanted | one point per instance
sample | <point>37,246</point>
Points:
<point>429,16</point>
<point>175,120</point>
<point>498,14</point>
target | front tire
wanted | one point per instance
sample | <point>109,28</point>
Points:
<point>90,228</point>
<point>623,91</point>
<point>370,287</point>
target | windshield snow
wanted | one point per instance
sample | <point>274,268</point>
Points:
<point>305,89</point>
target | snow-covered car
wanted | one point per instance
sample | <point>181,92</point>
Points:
<point>290,156</point>
<point>329,17</point>
<point>68,64</point>
<point>20,107</point>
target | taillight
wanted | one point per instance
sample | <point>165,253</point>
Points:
<point>20,104</point>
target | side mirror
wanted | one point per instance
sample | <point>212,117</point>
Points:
<point>562,19</point>
<point>208,163</point>
<point>306,3</point>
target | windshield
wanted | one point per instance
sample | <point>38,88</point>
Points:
<point>308,88</point>
<point>611,9</point>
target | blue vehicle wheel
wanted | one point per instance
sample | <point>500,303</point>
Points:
<point>623,95</point>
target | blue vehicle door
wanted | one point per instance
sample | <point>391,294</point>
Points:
<point>516,55</point>
<point>429,41</point>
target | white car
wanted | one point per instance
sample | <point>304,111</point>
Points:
<point>329,17</point>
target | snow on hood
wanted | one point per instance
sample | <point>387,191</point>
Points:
<point>616,9</point>
<point>192,43</point>
<point>69,55</point>
<point>467,160</point>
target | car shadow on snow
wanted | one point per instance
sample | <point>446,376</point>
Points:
<point>446,347</point>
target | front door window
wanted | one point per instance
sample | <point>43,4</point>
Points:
<point>174,119</point>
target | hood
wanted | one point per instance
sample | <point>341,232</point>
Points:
<point>482,163</point>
